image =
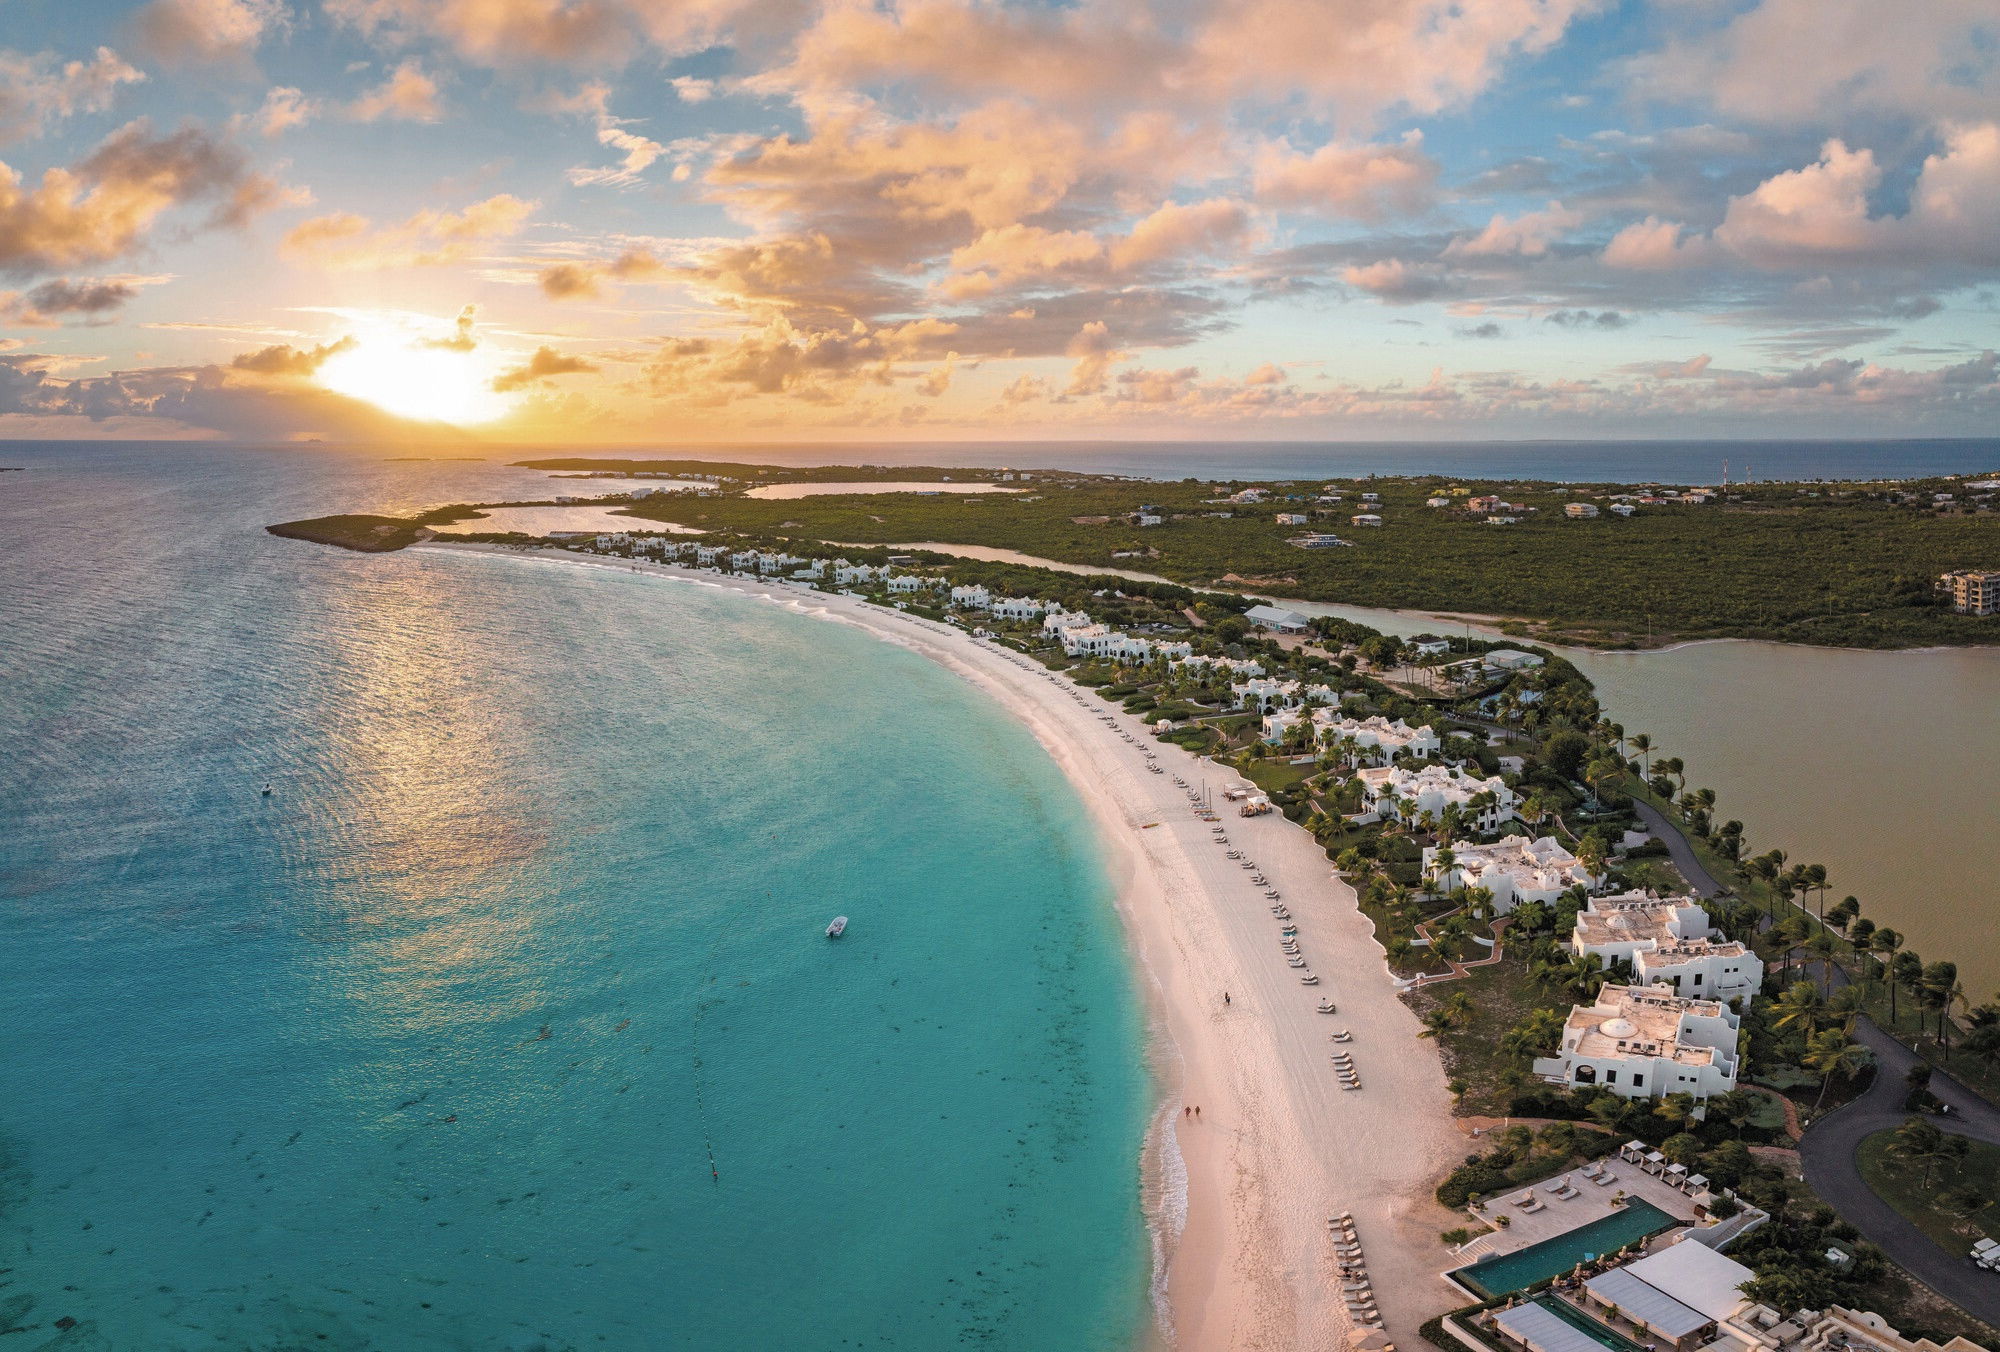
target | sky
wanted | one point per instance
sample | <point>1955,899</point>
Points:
<point>637,221</point>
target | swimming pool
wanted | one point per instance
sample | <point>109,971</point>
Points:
<point>1523,1268</point>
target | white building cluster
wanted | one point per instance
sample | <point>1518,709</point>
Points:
<point>1669,942</point>
<point>1647,1042</point>
<point>1514,868</point>
<point>1378,739</point>
<point>1403,794</point>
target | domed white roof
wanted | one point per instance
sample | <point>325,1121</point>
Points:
<point>1617,1028</point>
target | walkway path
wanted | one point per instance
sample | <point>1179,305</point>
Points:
<point>1828,1155</point>
<point>1667,830</point>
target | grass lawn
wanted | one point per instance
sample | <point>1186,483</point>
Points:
<point>1278,777</point>
<point>1903,1187</point>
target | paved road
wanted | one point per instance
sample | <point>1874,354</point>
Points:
<point>1678,849</point>
<point>1828,1149</point>
<point>1827,1152</point>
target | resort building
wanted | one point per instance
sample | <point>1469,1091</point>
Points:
<point>1581,511</point>
<point>1057,620</point>
<point>1096,640</point>
<point>1206,662</point>
<point>1514,869</point>
<point>1513,659</point>
<point>1669,942</point>
<point>1647,1042</point>
<point>815,569</point>
<point>1429,645</point>
<point>1623,508</point>
<point>910,582</point>
<point>1264,694</point>
<point>1972,593</point>
<point>1376,739</point>
<point>1284,621</point>
<point>1680,1295</point>
<point>1181,649</point>
<point>1017,608</point>
<point>971,598</point>
<point>1402,794</point>
<point>706,555</point>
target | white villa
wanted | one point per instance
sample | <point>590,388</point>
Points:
<point>708,554</point>
<point>1515,869</point>
<point>1669,942</point>
<point>1388,789</point>
<point>1377,736</point>
<point>910,582</point>
<point>1266,694</point>
<point>1017,608</point>
<point>1096,640</point>
<point>845,573</point>
<point>1647,1042</point>
<point>971,598</point>
<point>1241,666</point>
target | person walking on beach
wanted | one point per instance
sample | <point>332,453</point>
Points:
<point>1225,997</point>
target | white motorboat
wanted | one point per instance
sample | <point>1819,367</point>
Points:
<point>837,928</point>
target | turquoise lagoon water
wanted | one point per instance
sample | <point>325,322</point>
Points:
<point>437,1045</point>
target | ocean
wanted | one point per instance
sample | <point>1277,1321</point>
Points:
<point>506,1020</point>
<point>1665,462</point>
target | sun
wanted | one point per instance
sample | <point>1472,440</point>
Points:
<point>427,384</point>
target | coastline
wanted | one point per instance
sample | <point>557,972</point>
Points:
<point>1242,1258</point>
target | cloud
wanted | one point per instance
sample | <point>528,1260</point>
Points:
<point>1821,214</point>
<point>1584,319</point>
<point>462,338</point>
<point>1176,230</point>
<point>426,239</point>
<point>1525,236</point>
<point>579,281</point>
<point>638,151</point>
<point>1395,281</point>
<point>104,206</point>
<point>205,31</point>
<point>1093,352</point>
<point>506,32</point>
<point>1790,61</point>
<point>35,91</point>
<point>407,95</point>
<point>282,359</point>
<point>94,299</point>
<point>1267,374</point>
<point>283,109</point>
<point>1367,182</point>
<point>545,363</point>
<point>1487,330</point>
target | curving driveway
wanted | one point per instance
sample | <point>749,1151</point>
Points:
<point>1827,1154</point>
<point>1827,1150</point>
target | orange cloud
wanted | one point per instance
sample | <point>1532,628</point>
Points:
<point>429,238</point>
<point>545,363</point>
<point>34,91</point>
<point>408,95</point>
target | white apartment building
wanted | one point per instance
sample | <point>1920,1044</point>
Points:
<point>1515,869</point>
<point>971,598</point>
<point>745,559</point>
<point>846,574</point>
<point>1669,942</point>
<point>1378,739</point>
<point>814,569</point>
<point>1394,791</point>
<point>1017,608</point>
<point>1972,592</point>
<point>1057,620</point>
<point>706,555</point>
<point>1580,510</point>
<point>1647,1042</point>
<point>1096,640</point>
<point>1176,651</point>
<point>1265,694</point>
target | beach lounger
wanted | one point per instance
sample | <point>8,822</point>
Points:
<point>1354,1085</point>
<point>1605,1179</point>
<point>1521,1199</point>
<point>1535,1204</point>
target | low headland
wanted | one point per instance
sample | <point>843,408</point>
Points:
<point>1604,566</point>
<point>1383,764</point>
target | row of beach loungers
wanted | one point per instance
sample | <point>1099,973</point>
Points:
<point>1562,1189</point>
<point>1355,1288</point>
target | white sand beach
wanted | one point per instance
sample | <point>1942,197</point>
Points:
<point>1279,1145</point>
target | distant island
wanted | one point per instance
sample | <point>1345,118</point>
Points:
<point>369,534</point>
<point>1605,565</point>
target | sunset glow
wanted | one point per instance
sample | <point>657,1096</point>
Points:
<point>425,385</point>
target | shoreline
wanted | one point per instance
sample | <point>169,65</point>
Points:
<point>1236,1202</point>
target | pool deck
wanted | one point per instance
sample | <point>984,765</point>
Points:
<point>1559,1215</point>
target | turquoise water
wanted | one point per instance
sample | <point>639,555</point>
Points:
<point>437,1045</point>
<point>1524,1268</point>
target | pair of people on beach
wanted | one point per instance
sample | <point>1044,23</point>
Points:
<point>1195,1111</point>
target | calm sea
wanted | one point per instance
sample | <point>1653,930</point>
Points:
<point>1682,462</point>
<point>506,1020</point>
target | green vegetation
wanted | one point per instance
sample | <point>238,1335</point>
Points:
<point>1847,564</point>
<point>1947,1186</point>
<point>1520,1156</point>
<point>369,534</point>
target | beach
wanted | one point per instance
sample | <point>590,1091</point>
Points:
<point>1279,1146</point>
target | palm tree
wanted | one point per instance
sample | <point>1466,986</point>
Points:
<point>1830,1053</point>
<point>1672,766</point>
<point>1905,969</point>
<point>1886,941</point>
<point>1823,946</point>
<point>1815,880</point>
<point>1940,990</point>
<point>1642,745</point>
<point>1456,1009</point>
<point>1798,1007</point>
<point>1921,1142</point>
